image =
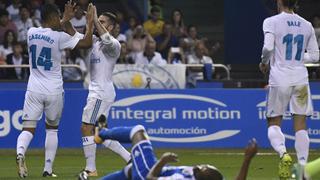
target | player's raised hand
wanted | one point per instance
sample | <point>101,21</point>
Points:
<point>90,14</point>
<point>95,14</point>
<point>69,11</point>
<point>252,149</point>
<point>169,157</point>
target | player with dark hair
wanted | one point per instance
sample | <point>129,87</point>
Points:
<point>45,85</point>
<point>102,56</point>
<point>145,165</point>
<point>289,42</point>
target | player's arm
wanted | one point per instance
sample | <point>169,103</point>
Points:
<point>156,169</point>
<point>268,46</point>
<point>111,45</point>
<point>68,14</point>
<point>86,42</point>
<point>312,54</point>
<point>250,152</point>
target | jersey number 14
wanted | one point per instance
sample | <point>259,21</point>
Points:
<point>44,58</point>
<point>289,40</point>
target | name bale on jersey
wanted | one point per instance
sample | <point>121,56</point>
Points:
<point>294,23</point>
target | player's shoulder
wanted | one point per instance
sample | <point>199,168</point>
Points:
<point>303,20</point>
<point>33,29</point>
<point>270,20</point>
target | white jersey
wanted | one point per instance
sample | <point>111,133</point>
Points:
<point>45,47</point>
<point>102,59</point>
<point>292,36</point>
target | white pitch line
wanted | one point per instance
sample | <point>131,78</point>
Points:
<point>241,154</point>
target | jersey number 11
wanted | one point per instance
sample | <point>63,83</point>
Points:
<point>289,41</point>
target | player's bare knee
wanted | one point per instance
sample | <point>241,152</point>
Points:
<point>138,133</point>
<point>87,129</point>
<point>52,124</point>
<point>274,121</point>
<point>28,125</point>
<point>299,122</point>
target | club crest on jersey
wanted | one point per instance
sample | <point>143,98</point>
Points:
<point>94,59</point>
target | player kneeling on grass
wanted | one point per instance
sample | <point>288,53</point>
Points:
<point>146,166</point>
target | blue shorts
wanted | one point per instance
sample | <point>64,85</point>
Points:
<point>143,160</point>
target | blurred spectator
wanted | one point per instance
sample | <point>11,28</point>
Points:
<point>50,2</point>
<point>191,39</point>
<point>35,10</point>
<point>17,58</point>
<point>138,40</point>
<point>176,56</point>
<point>124,57</point>
<point>124,26</point>
<point>316,25</point>
<point>132,25</point>
<point>79,20</point>
<point>154,25</point>
<point>83,4</point>
<point>6,48</point>
<point>215,50</point>
<point>71,73</point>
<point>5,24</point>
<point>166,40</point>
<point>117,34</point>
<point>2,70</point>
<point>13,10</point>
<point>150,56</point>
<point>2,4</point>
<point>198,57</point>
<point>24,24</point>
<point>177,22</point>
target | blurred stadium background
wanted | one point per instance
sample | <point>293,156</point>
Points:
<point>204,101</point>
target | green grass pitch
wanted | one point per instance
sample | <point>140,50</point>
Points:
<point>69,162</point>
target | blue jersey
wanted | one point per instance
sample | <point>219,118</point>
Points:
<point>177,173</point>
<point>144,158</point>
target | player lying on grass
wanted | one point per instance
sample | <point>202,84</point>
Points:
<point>145,165</point>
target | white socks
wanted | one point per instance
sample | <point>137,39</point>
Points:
<point>23,142</point>
<point>302,146</point>
<point>89,149</point>
<point>116,147</point>
<point>51,146</point>
<point>277,139</point>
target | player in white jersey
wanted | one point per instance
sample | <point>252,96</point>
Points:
<point>289,42</point>
<point>45,86</point>
<point>103,56</point>
<point>146,166</point>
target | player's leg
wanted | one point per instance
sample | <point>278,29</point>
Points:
<point>277,101</point>
<point>32,112</point>
<point>114,146</point>
<point>53,111</point>
<point>130,134</point>
<point>142,154</point>
<point>301,107</point>
<point>89,116</point>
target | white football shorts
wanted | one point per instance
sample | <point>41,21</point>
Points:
<point>35,104</point>
<point>94,108</point>
<point>297,97</point>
